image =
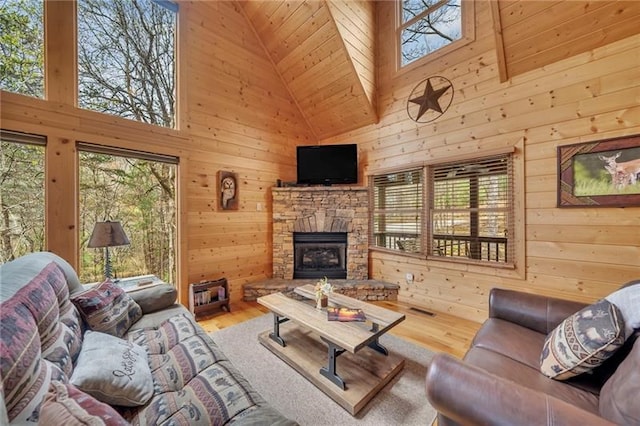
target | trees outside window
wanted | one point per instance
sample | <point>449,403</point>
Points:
<point>22,47</point>
<point>126,59</point>
<point>426,26</point>
<point>139,193</point>
<point>21,195</point>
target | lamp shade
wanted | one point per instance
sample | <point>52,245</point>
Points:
<point>108,234</point>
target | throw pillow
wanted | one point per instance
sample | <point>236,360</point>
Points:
<point>627,299</point>
<point>154,297</point>
<point>583,341</point>
<point>619,395</point>
<point>107,308</point>
<point>67,405</point>
<point>113,370</point>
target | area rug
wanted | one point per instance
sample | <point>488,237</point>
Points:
<point>401,402</point>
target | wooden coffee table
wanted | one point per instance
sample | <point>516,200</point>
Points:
<point>343,359</point>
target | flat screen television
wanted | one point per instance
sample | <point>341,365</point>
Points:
<point>327,164</point>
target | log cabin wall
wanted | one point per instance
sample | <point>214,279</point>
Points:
<point>578,253</point>
<point>234,115</point>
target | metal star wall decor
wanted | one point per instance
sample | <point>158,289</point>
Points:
<point>430,99</point>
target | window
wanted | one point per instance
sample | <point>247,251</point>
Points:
<point>397,210</point>
<point>467,206</point>
<point>428,25</point>
<point>126,59</point>
<point>21,195</point>
<point>138,190</point>
<point>22,47</point>
<point>471,210</point>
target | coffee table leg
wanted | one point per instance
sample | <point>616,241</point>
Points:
<point>330,370</point>
<point>275,336</point>
<point>375,345</point>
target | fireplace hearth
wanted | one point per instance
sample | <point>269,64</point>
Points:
<point>320,254</point>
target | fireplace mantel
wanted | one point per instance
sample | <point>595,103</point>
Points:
<point>321,209</point>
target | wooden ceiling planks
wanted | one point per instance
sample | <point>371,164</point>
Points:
<point>324,53</point>
<point>539,33</point>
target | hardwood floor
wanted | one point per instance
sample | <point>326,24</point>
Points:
<point>440,333</point>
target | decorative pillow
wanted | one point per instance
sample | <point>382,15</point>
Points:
<point>113,370</point>
<point>627,299</point>
<point>583,341</point>
<point>619,395</point>
<point>154,297</point>
<point>67,405</point>
<point>107,308</point>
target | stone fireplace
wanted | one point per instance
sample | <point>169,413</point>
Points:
<point>307,225</point>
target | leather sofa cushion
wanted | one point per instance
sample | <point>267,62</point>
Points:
<point>506,367</point>
<point>619,395</point>
<point>511,340</point>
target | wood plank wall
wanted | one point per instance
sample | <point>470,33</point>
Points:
<point>579,253</point>
<point>235,115</point>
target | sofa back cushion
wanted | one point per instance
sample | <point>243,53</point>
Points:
<point>40,336</point>
<point>619,395</point>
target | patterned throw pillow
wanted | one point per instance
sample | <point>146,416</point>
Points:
<point>107,308</point>
<point>113,370</point>
<point>67,405</point>
<point>583,341</point>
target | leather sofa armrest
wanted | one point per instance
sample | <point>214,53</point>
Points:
<point>539,313</point>
<point>469,395</point>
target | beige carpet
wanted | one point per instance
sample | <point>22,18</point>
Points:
<point>402,402</point>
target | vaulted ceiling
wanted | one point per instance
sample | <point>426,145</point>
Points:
<point>324,52</point>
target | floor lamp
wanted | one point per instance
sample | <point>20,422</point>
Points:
<point>107,234</point>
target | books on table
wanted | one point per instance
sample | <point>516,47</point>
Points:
<point>345,314</point>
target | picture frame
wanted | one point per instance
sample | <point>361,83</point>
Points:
<point>603,173</point>
<point>228,191</point>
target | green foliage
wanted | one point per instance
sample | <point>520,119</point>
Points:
<point>139,194</point>
<point>21,199</point>
<point>22,47</point>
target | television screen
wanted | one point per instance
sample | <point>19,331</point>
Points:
<point>327,164</point>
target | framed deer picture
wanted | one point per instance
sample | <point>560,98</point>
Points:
<point>602,173</point>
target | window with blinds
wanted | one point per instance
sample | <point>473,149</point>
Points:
<point>471,210</point>
<point>397,214</point>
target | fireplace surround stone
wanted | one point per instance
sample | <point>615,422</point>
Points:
<point>321,209</point>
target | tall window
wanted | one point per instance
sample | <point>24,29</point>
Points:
<point>22,47</point>
<point>138,190</point>
<point>426,26</point>
<point>21,195</point>
<point>465,213</point>
<point>126,59</point>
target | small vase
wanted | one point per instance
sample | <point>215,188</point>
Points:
<point>322,302</point>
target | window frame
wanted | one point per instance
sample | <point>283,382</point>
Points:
<point>467,28</point>
<point>514,259</point>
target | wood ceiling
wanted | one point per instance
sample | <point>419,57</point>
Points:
<point>324,50</point>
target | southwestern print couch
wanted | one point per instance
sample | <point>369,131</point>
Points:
<point>100,355</point>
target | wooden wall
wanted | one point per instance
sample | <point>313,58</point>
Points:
<point>579,253</point>
<point>234,114</point>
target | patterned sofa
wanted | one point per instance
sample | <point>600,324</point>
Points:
<point>71,355</point>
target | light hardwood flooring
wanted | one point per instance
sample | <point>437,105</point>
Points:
<point>439,333</point>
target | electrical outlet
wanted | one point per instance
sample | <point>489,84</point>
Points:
<point>409,277</point>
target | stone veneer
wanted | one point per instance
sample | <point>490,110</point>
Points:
<point>321,209</point>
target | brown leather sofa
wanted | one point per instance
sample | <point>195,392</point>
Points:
<point>499,381</point>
